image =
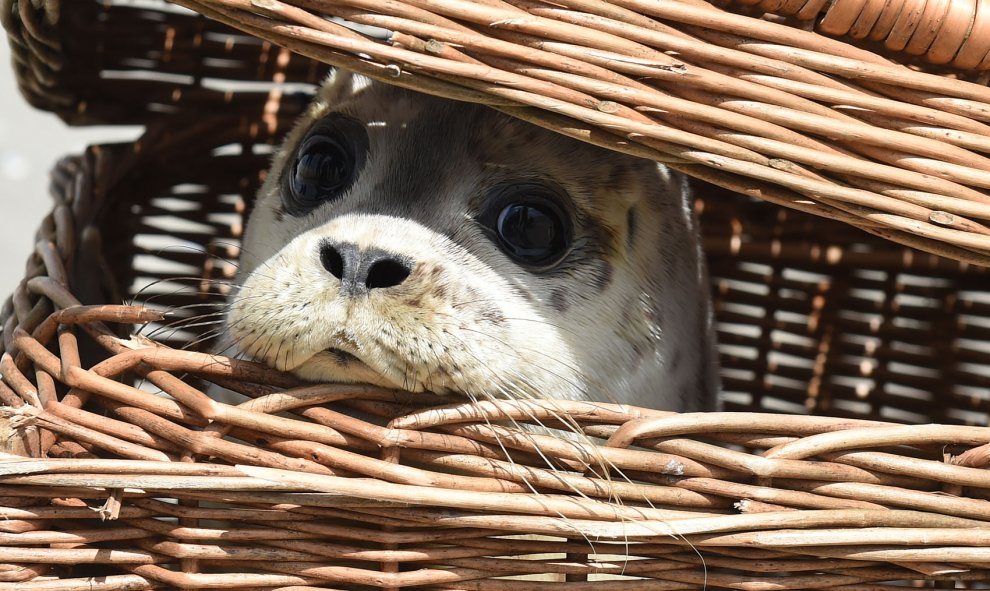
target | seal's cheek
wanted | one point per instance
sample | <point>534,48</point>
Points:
<point>266,235</point>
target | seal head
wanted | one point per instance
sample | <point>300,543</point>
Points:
<point>430,245</point>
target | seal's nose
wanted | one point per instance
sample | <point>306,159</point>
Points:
<point>362,270</point>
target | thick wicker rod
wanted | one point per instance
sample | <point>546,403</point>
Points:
<point>953,32</point>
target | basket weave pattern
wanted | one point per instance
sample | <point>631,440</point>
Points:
<point>110,485</point>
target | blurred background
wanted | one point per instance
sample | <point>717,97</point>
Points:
<point>31,141</point>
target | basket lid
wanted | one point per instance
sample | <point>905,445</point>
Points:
<point>745,102</point>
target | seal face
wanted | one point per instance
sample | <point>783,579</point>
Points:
<point>419,243</point>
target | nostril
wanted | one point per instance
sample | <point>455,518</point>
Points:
<point>332,260</point>
<point>360,270</point>
<point>386,272</point>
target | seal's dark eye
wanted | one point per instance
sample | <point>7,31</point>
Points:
<point>529,225</point>
<point>322,168</point>
<point>325,164</point>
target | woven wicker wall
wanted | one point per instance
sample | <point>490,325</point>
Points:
<point>93,62</point>
<point>824,318</point>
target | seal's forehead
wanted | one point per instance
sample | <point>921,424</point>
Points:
<point>499,146</point>
<point>485,131</point>
<point>371,102</point>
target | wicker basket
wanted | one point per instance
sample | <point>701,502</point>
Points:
<point>110,485</point>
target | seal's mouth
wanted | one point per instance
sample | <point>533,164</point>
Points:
<point>338,365</point>
<point>341,357</point>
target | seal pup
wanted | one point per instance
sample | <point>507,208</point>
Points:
<point>419,243</point>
